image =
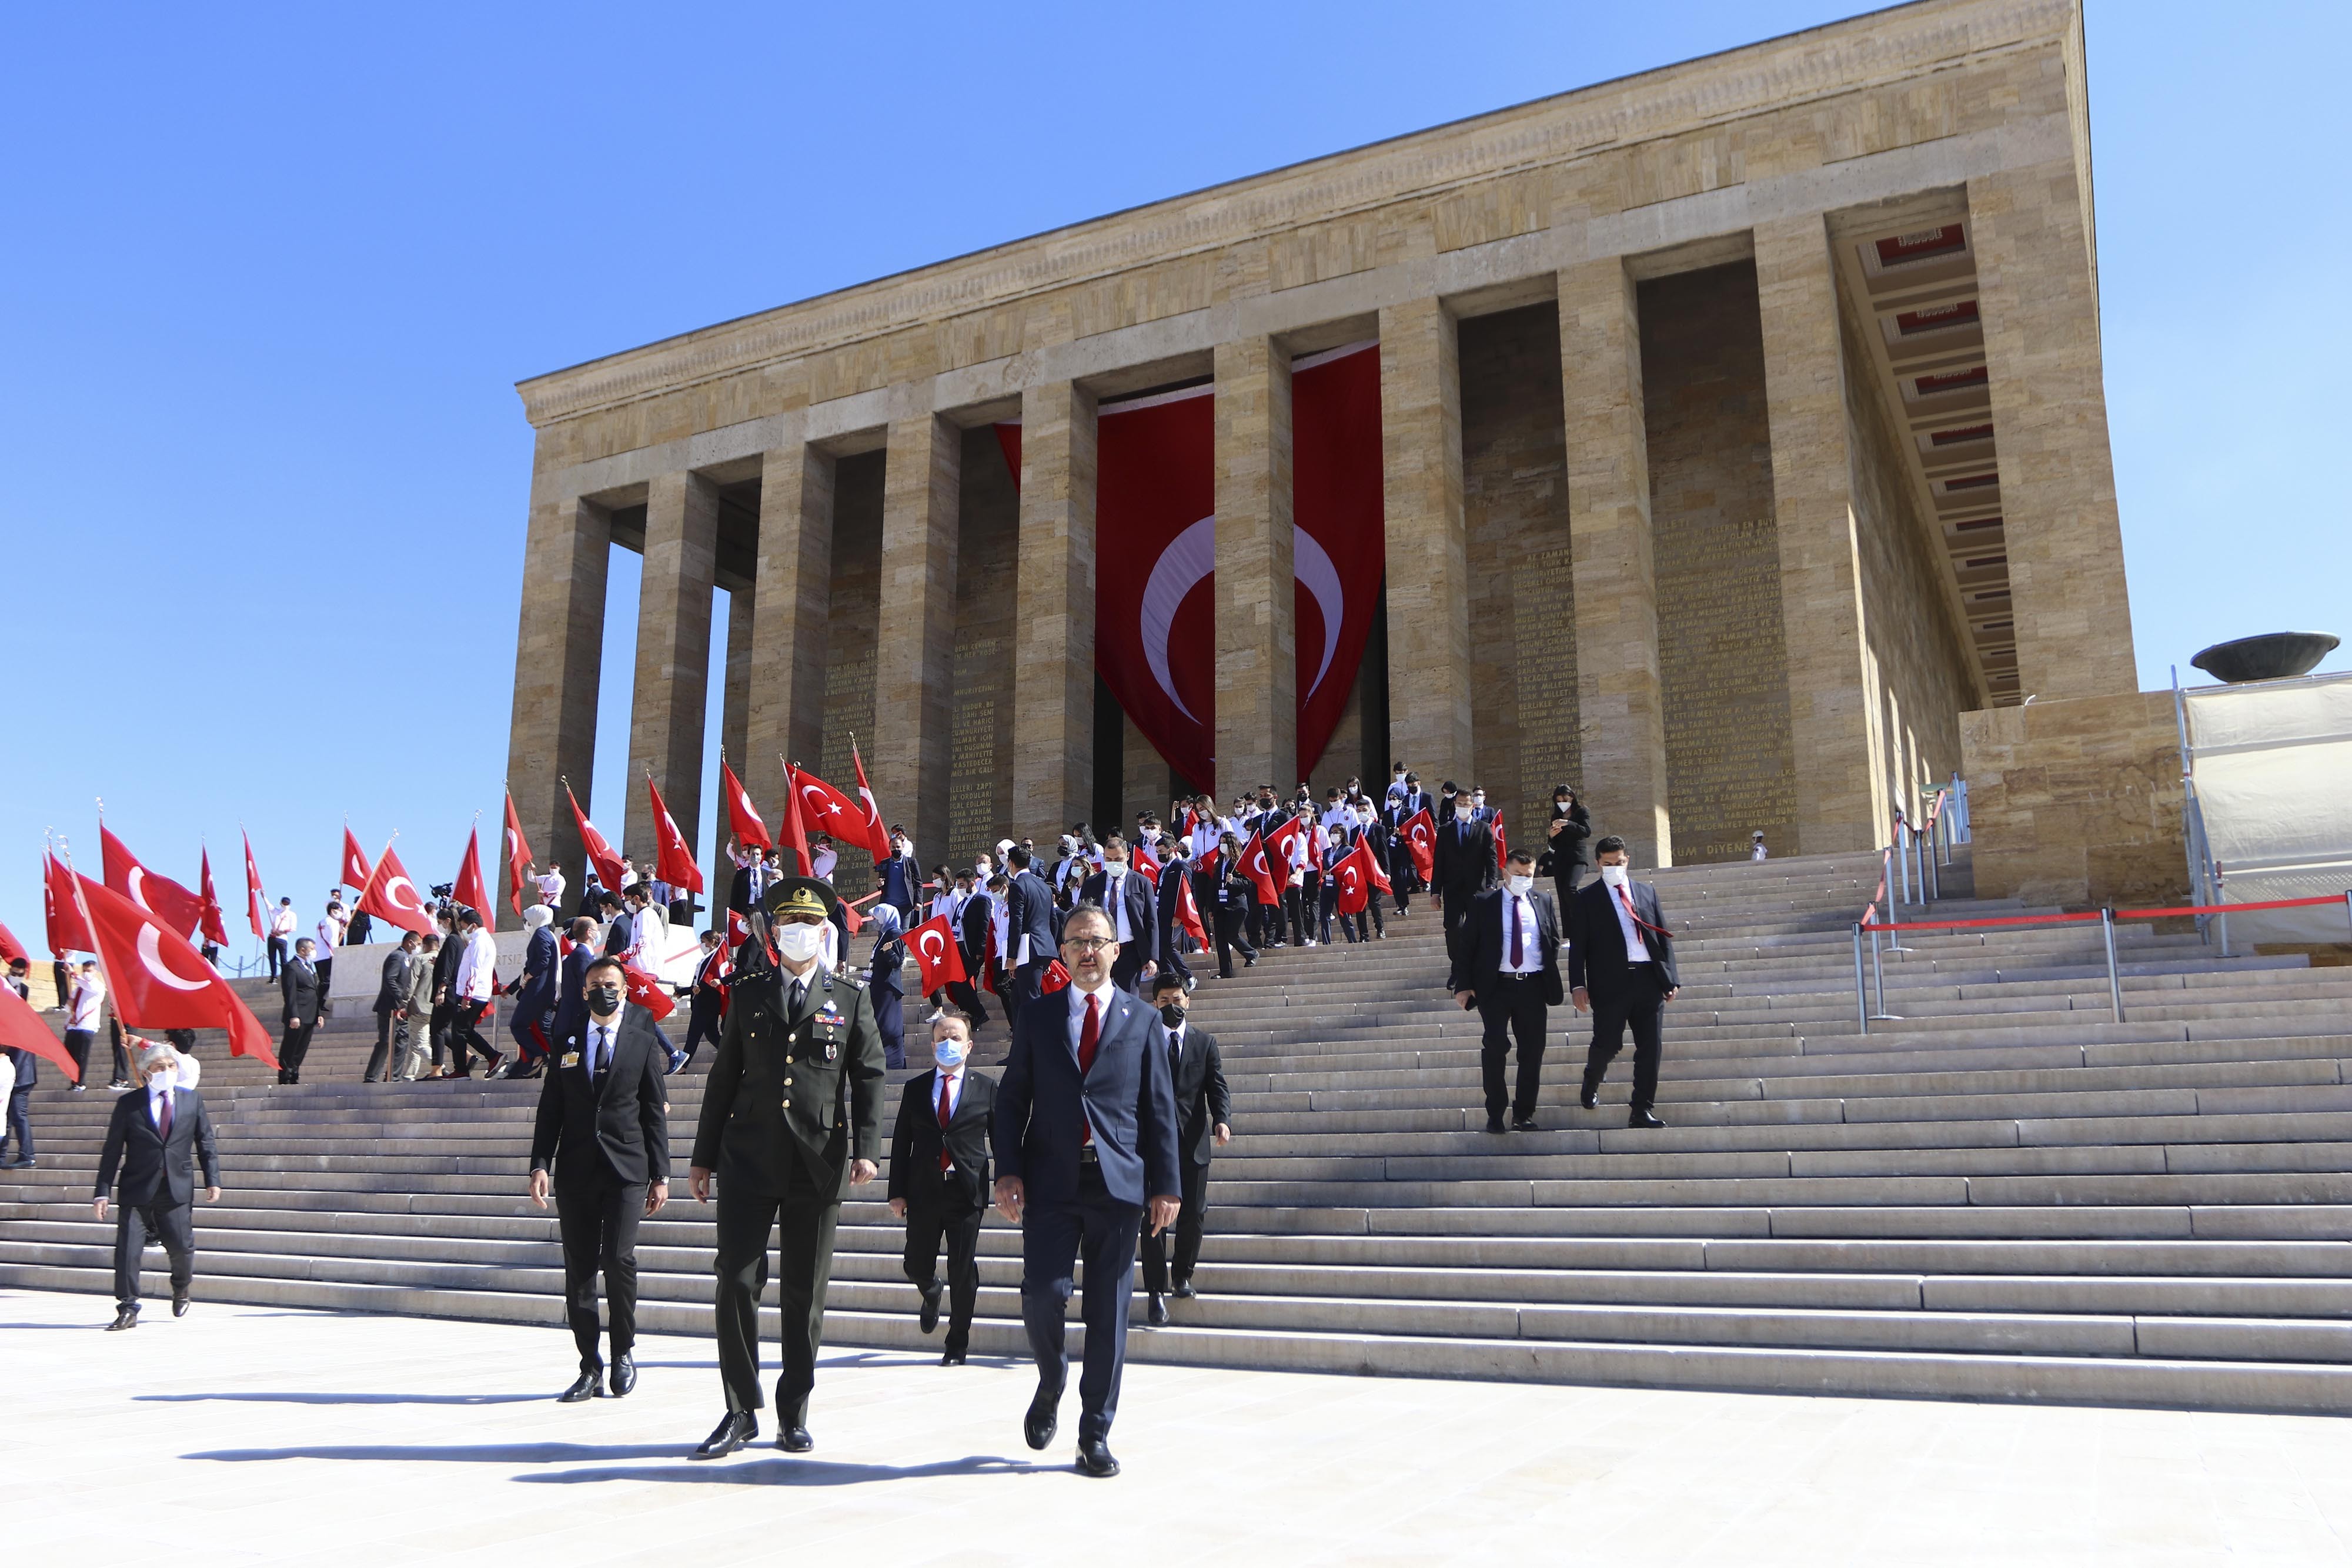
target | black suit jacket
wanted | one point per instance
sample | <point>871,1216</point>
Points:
<point>393,994</point>
<point>571,1004</point>
<point>1201,1101</point>
<point>27,1065</point>
<point>1142,907</point>
<point>971,931</point>
<point>153,1170</point>
<point>445,966</point>
<point>915,1141</point>
<point>1044,1104</point>
<point>1596,942</point>
<point>616,1129</point>
<point>298,983</point>
<point>1463,862</point>
<point>623,933</point>
<point>1031,906</point>
<point>1486,928</point>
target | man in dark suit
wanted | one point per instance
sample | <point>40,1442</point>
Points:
<point>305,992</point>
<point>972,923</point>
<point>1129,899</point>
<point>1031,905</point>
<point>620,917</point>
<point>705,1003</point>
<point>444,1019</point>
<point>1203,1119</point>
<point>603,1127</point>
<point>902,877</point>
<point>1085,1138</point>
<point>572,982</point>
<point>157,1137</point>
<point>391,1005</point>
<point>1462,867</point>
<point>1175,865</point>
<point>1228,896</point>
<point>1512,976</point>
<point>792,1116</point>
<point>938,1177</point>
<point>1621,969</point>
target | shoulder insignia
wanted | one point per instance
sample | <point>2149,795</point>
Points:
<point>853,982</point>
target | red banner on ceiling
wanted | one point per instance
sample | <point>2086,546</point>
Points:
<point>1156,553</point>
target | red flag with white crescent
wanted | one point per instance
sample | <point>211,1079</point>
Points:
<point>517,857</point>
<point>22,1027</point>
<point>1187,910</point>
<point>158,981</point>
<point>1360,873</point>
<point>1260,871</point>
<point>878,837</point>
<point>826,809</point>
<point>1420,835</point>
<point>470,889</point>
<point>392,897</point>
<point>791,833</point>
<point>742,817</point>
<point>673,860</point>
<point>649,992</point>
<point>68,929</point>
<point>988,956</point>
<point>1054,979</point>
<point>175,905</point>
<point>1282,845</point>
<point>356,871</point>
<point>1148,863</point>
<point>849,916</point>
<point>934,946</point>
<point>10,948</point>
<point>254,900</point>
<point>600,854</point>
<point>1502,844</point>
<point>209,920</point>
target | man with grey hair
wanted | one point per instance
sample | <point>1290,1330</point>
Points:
<point>156,1139</point>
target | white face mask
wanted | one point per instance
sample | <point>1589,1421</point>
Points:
<point>1616,875</point>
<point>799,941</point>
<point>1461,813</point>
<point>162,1079</point>
<point>1520,884</point>
<point>947,1053</point>
<point>1480,797</point>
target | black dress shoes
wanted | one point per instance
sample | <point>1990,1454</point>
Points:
<point>1589,1099</point>
<point>1184,1291</point>
<point>1043,1417</point>
<point>588,1386</point>
<point>952,1358</point>
<point>1495,1124</point>
<point>128,1318</point>
<point>735,1429</point>
<point>1643,1119</point>
<point>1157,1314</point>
<point>795,1440</point>
<point>1525,1124</point>
<point>624,1374</point>
<point>1094,1459</point>
<point>179,1301</point>
<point>928,1321</point>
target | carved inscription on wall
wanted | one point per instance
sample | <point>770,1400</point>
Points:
<point>1543,629</point>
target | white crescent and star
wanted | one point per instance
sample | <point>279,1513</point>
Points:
<point>392,895</point>
<point>1189,557</point>
<point>151,958</point>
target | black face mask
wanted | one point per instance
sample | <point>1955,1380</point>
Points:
<point>604,1001</point>
<point>1172,1015</point>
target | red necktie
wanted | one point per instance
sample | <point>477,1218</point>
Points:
<point>1089,1042</point>
<point>946,1110</point>
<point>1626,899</point>
<point>1519,953</point>
<point>163,1121</point>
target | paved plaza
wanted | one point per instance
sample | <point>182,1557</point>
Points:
<point>254,1436</point>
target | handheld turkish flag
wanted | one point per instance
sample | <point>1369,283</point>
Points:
<point>390,896</point>
<point>878,837</point>
<point>1054,978</point>
<point>470,889</point>
<point>1283,844</point>
<point>1260,871</point>
<point>159,981</point>
<point>1359,873</point>
<point>68,929</point>
<point>742,817</point>
<point>673,862</point>
<point>10,948</point>
<point>517,857</point>
<point>1502,844</point>
<point>828,811</point>
<point>356,871</point>
<point>1420,835</point>
<point>1187,910</point>
<point>793,831</point>
<point>935,947</point>
<point>1147,862</point>
<point>607,865</point>
<point>253,897</point>
<point>22,1027</point>
<point>849,916</point>
<point>1207,863</point>
<point>649,993</point>
<point>988,959</point>
<point>209,920</point>
<point>175,905</point>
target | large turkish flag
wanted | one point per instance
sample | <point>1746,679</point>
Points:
<point>935,947</point>
<point>22,1027</point>
<point>159,895</point>
<point>826,809</point>
<point>161,982</point>
<point>68,932</point>
<point>390,895</point>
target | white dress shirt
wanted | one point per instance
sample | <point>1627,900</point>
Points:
<point>600,1051</point>
<point>1520,907</point>
<point>821,863</point>
<point>1636,952</point>
<point>477,966</point>
<point>1078,1021</point>
<point>282,921</point>
<point>330,935</point>
<point>156,1094</point>
<point>950,1084</point>
<point>551,887</point>
<point>1114,901</point>
<point>88,999</point>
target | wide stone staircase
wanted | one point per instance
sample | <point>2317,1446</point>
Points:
<point>2002,1194</point>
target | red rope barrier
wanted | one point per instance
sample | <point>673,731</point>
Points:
<point>1973,924</point>
<point>2229,908</point>
<point>2094,915</point>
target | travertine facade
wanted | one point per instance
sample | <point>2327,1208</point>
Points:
<point>1821,466</point>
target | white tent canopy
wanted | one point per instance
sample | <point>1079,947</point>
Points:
<point>2270,773</point>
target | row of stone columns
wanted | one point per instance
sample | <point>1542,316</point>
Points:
<point>2032,236</point>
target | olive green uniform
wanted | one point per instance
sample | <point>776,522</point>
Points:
<point>793,1096</point>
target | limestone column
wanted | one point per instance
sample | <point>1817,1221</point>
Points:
<point>735,709</point>
<point>559,654</point>
<point>673,655</point>
<point>2038,292</point>
<point>791,603</point>
<point>915,636</point>
<point>1428,563</point>
<point>1829,710</point>
<point>1257,671</point>
<point>1054,637</point>
<point>1619,696</point>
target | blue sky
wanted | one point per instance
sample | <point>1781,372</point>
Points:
<point>271,273</point>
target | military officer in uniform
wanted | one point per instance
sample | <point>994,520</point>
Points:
<point>791,1116</point>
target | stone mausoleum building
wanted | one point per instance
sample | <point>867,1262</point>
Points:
<point>1741,430</point>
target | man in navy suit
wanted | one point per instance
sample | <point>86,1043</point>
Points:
<point>1031,929</point>
<point>1086,1139</point>
<point>157,1136</point>
<point>1133,904</point>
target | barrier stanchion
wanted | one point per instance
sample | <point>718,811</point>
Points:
<point>2347,903</point>
<point>2115,980</point>
<point>1862,997</point>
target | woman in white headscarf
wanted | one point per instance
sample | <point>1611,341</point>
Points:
<point>885,987</point>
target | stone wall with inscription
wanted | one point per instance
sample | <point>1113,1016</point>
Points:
<point>1722,656</point>
<point>980,768</point>
<point>850,629</point>
<point>1524,734</point>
